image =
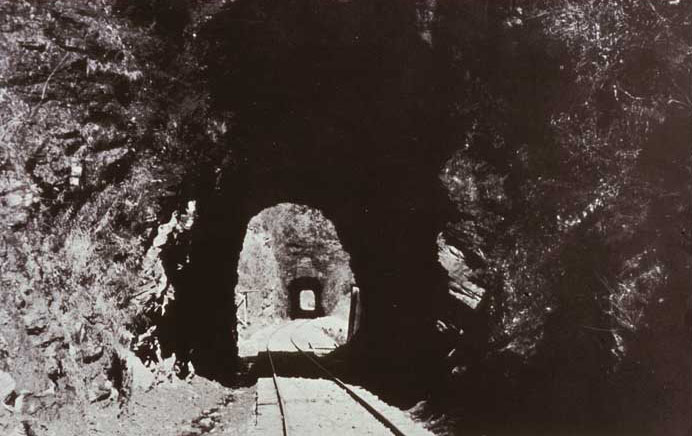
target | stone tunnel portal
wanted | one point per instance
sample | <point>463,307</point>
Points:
<point>365,147</point>
<point>291,266</point>
<point>305,298</point>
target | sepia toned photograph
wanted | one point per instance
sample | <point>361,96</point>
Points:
<point>346,217</point>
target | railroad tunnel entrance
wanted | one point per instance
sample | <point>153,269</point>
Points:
<point>291,266</point>
<point>365,148</point>
<point>305,298</point>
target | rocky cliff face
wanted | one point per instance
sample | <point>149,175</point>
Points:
<point>80,202</point>
<point>62,328</point>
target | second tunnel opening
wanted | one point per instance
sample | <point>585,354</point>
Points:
<point>292,266</point>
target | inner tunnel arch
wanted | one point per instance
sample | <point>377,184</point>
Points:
<point>305,297</point>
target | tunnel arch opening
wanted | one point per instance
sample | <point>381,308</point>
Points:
<point>305,298</point>
<point>291,266</point>
<point>366,149</point>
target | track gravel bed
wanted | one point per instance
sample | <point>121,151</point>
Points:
<point>319,406</point>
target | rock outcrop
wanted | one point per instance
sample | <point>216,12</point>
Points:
<point>74,238</point>
<point>461,287</point>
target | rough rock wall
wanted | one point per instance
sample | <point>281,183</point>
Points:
<point>259,277</point>
<point>461,285</point>
<point>63,269</point>
<point>80,199</point>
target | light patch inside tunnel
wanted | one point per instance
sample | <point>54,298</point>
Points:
<point>307,300</point>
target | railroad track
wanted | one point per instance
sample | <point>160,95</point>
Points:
<point>328,375</point>
<point>279,398</point>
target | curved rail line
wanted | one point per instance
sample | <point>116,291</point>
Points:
<point>360,400</point>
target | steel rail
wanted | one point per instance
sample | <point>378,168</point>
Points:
<point>360,400</point>
<point>284,421</point>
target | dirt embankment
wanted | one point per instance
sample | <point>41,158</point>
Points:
<point>168,407</point>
